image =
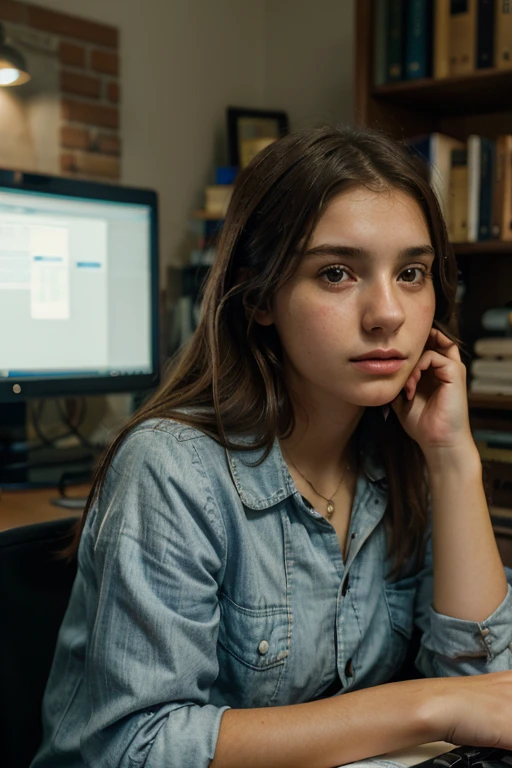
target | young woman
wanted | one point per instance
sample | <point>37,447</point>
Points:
<point>265,534</point>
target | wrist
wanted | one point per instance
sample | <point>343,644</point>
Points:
<point>432,714</point>
<point>462,459</point>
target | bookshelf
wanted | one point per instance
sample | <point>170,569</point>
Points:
<point>476,103</point>
<point>458,106</point>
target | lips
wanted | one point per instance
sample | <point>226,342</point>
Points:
<point>380,354</point>
<point>379,361</point>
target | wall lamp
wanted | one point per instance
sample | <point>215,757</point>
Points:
<point>13,69</point>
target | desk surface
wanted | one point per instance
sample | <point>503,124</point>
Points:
<point>26,507</point>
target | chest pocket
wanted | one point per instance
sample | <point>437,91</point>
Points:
<point>253,647</point>
<point>400,600</point>
<point>400,597</point>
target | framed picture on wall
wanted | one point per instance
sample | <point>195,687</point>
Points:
<point>251,130</point>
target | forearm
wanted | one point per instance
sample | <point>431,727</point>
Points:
<point>330,732</point>
<point>469,578</point>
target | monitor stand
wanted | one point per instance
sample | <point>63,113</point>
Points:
<point>41,467</point>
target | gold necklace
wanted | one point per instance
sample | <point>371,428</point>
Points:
<point>330,503</point>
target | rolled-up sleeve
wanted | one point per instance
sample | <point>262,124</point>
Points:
<point>159,550</point>
<point>451,646</point>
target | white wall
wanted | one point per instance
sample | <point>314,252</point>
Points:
<point>184,61</point>
<point>308,60</point>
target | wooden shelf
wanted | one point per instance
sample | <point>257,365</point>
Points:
<point>496,402</point>
<point>482,91</point>
<point>483,247</point>
<point>207,216</point>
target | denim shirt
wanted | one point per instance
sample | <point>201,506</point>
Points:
<point>204,583</point>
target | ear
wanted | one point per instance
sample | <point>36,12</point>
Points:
<point>264,316</point>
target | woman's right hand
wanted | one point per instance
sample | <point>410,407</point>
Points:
<point>473,710</point>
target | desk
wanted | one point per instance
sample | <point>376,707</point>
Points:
<point>25,507</point>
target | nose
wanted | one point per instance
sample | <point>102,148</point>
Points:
<point>382,310</point>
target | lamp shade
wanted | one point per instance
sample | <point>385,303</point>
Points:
<point>13,69</point>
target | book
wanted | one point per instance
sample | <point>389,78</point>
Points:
<point>436,149</point>
<point>418,39</point>
<point>441,53</point>
<point>503,34</point>
<point>395,40</point>
<point>474,164</point>
<point>502,199</point>
<point>457,208</point>
<point>487,453</point>
<point>380,40</point>
<point>497,319</point>
<point>217,198</point>
<point>494,439</point>
<point>497,477</point>
<point>494,346</point>
<point>462,36</point>
<point>487,176</point>
<point>491,387</point>
<point>485,34</point>
<point>492,369</point>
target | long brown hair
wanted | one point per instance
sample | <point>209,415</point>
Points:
<point>229,377</point>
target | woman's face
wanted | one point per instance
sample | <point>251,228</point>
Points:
<point>362,289</point>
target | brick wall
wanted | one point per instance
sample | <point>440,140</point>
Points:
<point>90,143</point>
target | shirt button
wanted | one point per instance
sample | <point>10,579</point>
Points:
<point>349,669</point>
<point>344,588</point>
<point>263,647</point>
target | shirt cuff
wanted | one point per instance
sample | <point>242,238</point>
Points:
<point>453,637</point>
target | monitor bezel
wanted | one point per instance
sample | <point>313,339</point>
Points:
<point>90,385</point>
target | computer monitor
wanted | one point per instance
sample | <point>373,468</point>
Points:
<point>78,289</point>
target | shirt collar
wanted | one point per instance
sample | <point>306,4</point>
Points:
<point>262,486</point>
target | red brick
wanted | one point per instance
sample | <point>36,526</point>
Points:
<point>73,55</point>
<point>92,114</point>
<point>13,11</point>
<point>108,145</point>
<point>72,26</point>
<point>105,62</point>
<point>80,85</point>
<point>113,92</point>
<point>74,138</point>
<point>89,164</point>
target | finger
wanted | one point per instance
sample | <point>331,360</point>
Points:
<point>442,367</point>
<point>438,341</point>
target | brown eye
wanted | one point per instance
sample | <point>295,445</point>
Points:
<point>413,275</point>
<point>334,274</point>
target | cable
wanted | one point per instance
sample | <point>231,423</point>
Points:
<point>74,429</point>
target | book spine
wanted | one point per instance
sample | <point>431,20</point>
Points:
<point>457,218</point>
<point>380,38</point>
<point>462,36</point>
<point>418,40</point>
<point>441,43</point>
<point>485,34</point>
<point>502,199</point>
<point>503,34</point>
<point>474,162</point>
<point>486,188</point>
<point>494,454</point>
<point>395,55</point>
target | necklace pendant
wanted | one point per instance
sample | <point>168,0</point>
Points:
<point>330,509</point>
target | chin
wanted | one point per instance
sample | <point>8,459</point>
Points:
<point>375,399</point>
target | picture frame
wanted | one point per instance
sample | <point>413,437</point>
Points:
<point>251,130</point>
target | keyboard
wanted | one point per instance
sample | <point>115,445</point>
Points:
<point>469,757</point>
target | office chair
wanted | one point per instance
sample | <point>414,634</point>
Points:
<point>34,591</point>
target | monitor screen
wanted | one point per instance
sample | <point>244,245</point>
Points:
<point>78,287</point>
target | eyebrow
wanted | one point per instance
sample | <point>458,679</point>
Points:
<point>406,254</point>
